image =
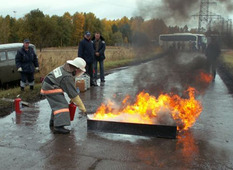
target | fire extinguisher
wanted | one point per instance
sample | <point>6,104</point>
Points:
<point>72,109</point>
<point>18,105</point>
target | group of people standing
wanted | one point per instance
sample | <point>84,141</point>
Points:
<point>92,51</point>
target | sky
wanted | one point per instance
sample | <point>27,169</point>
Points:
<point>101,8</point>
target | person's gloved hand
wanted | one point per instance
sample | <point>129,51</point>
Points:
<point>20,69</point>
<point>79,103</point>
<point>37,69</point>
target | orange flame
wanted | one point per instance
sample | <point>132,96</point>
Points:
<point>147,109</point>
<point>205,77</point>
<point>186,144</point>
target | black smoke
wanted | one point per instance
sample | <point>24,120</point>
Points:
<point>171,11</point>
<point>176,12</point>
<point>228,4</point>
<point>174,73</point>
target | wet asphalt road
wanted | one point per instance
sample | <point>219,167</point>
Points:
<point>26,141</point>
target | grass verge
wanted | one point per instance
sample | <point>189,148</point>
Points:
<point>7,97</point>
<point>227,60</point>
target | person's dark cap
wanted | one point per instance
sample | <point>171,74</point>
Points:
<point>87,33</point>
<point>26,41</point>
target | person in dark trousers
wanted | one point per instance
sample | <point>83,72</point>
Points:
<point>99,47</point>
<point>26,63</point>
<point>212,53</point>
<point>86,51</point>
<point>194,49</point>
<point>203,47</point>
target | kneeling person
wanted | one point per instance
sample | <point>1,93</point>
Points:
<point>60,80</point>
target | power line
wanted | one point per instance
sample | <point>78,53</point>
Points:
<point>206,18</point>
<point>204,15</point>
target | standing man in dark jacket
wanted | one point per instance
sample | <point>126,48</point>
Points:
<point>86,51</point>
<point>26,62</point>
<point>99,47</point>
<point>212,53</point>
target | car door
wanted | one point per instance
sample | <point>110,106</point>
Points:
<point>14,74</point>
<point>3,67</point>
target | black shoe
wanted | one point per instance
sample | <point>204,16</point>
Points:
<point>51,123</point>
<point>22,88</point>
<point>31,87</point>
<point>60,130</point>
<point>94,84</point>
<point>102,81</point>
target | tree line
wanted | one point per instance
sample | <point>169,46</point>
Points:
<point>67,30</point>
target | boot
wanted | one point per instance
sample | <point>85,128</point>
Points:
<point>51,123</point>
<point>22,88</point>
<point>94,83</point>
<point>61,130</point>
<point>31,87</point>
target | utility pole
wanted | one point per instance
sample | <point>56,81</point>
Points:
<point>230,26</point>
<point>204,15</point>
<point>223,24</point>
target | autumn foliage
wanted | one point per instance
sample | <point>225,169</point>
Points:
<point>67,30</point>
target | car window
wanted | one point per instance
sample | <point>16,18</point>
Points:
<point>2,56</point>
<point>11,54</point>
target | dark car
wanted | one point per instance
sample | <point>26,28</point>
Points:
<point>8,70</point>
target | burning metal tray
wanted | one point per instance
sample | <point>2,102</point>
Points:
<point>160,131</point>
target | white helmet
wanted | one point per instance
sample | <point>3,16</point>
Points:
<point>78,63</point>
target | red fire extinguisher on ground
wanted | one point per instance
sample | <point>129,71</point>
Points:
<point>72,109</point>
<point>18,105</point>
